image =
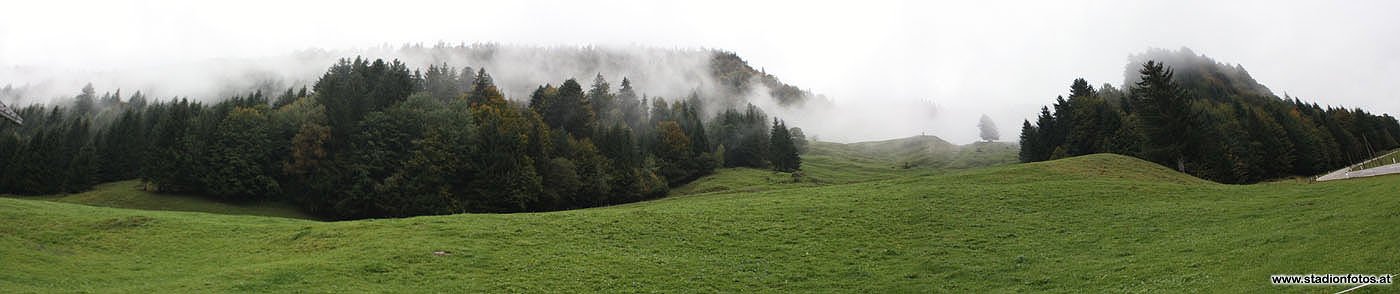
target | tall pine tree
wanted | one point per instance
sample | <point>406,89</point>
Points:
<point>1167,112</point>
<point>783,152</point>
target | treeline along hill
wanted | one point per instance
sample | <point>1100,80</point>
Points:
<point>1205,118</point>
<point>378,139</point>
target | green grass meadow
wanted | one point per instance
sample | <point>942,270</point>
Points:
<point>1090,224</point>
<point>133,194</point>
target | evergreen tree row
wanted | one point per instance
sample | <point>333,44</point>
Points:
<point>372,139</point>
<point>1208,129</point>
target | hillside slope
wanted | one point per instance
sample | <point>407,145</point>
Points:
<point>130,194</point>
<point>831,163</point>
<point>1098,223</point>
<point>921,151</point>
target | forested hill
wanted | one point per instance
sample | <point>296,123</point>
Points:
<point>1210,119</point>
<point>381,139</point>
<point>719,78</point>
<point>1200,74</point>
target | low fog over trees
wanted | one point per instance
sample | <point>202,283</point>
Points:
<point>378,139</point>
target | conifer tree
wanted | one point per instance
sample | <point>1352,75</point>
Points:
<point>603,101</point>
<point>783,153</point>
<point>83,103</point>
<point>629,105</point>
<point>1166,111</point>
<point>1030,142</point>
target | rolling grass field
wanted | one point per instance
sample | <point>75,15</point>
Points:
<point>837,163</point>
<point>1098,223</point>
<point>130,194</point>
<point>920,152</point>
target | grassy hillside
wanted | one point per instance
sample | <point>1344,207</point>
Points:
<point>926,152</point>
<point>837,163</point>
<point>1099,223</point>
<point>130,194</point>
<point>818,169</point>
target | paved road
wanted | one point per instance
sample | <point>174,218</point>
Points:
<point>1344,173</point>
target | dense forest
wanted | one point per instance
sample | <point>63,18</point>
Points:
<point>377,139</point>
<point>1211,120</point>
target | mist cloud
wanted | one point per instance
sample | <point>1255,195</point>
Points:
<point>1003,58</point>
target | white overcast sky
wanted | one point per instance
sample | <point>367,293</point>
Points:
<point>970,57</point>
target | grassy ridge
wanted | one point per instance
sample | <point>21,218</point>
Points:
<point>837,163</point>
<point>130,194</point>
<point>817,170</point>
<point>927,152</point>
<point>1088,224</point>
